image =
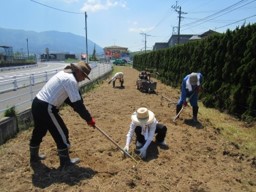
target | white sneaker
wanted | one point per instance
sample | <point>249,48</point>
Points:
<point>138,144</point>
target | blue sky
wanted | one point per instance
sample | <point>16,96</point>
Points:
<point>126,23</point>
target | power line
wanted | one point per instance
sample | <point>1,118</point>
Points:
<point>236,22</point>
<point>214,14</point>
<point>86,39</point>
<point>55,8</point>
<point>165,16</point>
<point>218,13</point>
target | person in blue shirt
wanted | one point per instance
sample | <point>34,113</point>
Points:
<point>190,87</point>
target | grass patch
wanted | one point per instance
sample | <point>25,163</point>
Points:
<point>71,60</point>
<point>232,129</point>
<point>91,86</point>
<point>119,68</point>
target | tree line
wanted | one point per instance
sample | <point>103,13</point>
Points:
<point>227,62</point>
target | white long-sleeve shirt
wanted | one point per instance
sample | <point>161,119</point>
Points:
<point>148,131</point>
<point>118,75</point>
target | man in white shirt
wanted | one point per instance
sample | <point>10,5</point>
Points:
<point>61,88</point>
<point>120,76</point>
<point>145,126</point>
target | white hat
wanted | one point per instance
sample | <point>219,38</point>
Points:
<point>143,116</point>
<point>193,79</point>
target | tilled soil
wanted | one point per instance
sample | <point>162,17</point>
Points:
<point>198,159</point>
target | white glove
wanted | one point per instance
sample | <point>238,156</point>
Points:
<point>126,148</point>
<point>142,152</point>
<point>125,151</point>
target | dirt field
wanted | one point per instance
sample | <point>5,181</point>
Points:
<point>198,158</point>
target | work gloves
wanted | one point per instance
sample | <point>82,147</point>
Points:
<point>91,123</point>
<point>185,104</point>
<point>126,148</point>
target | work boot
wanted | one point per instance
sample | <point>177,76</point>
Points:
<point>122,83</point>
<point>162,144</point>
<point>178,108</point>
<point>34,155</point>
<point>65,160</point>
<point>195,112</point>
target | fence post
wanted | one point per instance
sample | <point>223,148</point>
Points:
<point>15,84</point>
<point>99,66</point>
<point>32,80</point>
<point>31,92</point>
<point>46,76</point>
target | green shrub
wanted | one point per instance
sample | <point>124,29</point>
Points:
<point>10,112</point>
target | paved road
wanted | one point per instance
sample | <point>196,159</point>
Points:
<point>21,98</point>
<point>35,69</point>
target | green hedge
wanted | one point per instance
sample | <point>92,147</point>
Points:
<point>227,62</point>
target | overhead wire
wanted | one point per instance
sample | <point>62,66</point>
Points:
<point>214,14</point>
<point>155,27</point>
<point>217,14</point>
<point>165,16</point>
<point>55,8</point>
<point>235,22</point>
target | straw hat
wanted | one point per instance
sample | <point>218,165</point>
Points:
<point>83,67</point>
<point>143,116</point>
<point>193,79</point>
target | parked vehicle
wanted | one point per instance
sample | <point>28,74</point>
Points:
<point>120,62</point>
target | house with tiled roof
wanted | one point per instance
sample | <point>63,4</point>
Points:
<point>182,39</point>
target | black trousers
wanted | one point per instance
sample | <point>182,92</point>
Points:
<point>160,133</point>
<point>121,82</point>
<point>46,118</point>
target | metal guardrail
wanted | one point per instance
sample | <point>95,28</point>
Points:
<point>18,82</point>
<point>19,91</point>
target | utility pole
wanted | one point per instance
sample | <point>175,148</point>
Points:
<point>27,47</point>
<point>178,10</point>
<point>86,42</point>
<point>145,41</point>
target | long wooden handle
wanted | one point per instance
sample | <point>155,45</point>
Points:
<point>174,119</point>
<point>125,152</point>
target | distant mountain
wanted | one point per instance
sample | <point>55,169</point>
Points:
<point>53,40</point>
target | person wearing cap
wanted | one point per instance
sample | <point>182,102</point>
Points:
<point>145,125</point>
<point>61,88</point>
<point>144,75</point>
<point>189,93</point>
<point>120,77</point>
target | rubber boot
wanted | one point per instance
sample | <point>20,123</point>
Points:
<point>195,112</point>
<point>65,160</point>
<point>178,108</point>
<point>34,155</point>
<point>122,83</point>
